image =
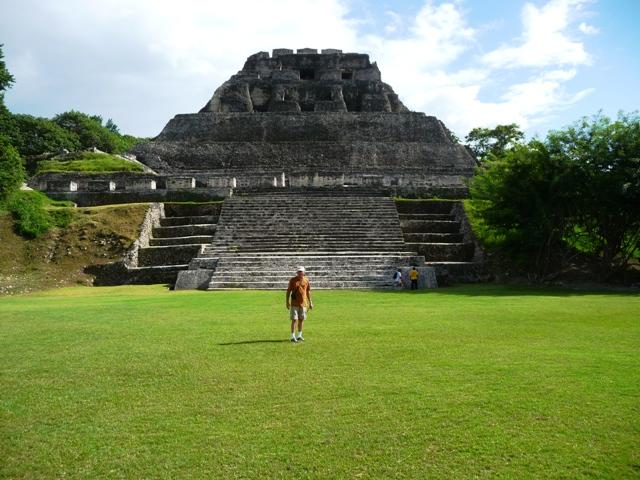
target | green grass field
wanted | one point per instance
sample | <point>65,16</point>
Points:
<point>463,382</point>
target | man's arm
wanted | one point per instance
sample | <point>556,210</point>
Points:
<point>286,301</point>
<point>309,296</point>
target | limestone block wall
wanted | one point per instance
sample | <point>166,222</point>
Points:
<point>305,127</point>
<point>151,220</point>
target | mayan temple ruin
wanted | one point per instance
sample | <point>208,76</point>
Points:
<point>308,149</point>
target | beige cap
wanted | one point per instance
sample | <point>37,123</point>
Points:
<point>300,269</point>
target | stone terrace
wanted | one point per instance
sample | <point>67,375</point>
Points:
<point>343,241</point>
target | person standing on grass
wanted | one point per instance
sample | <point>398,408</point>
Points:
<point>297,302</point>
<point>413,276</point>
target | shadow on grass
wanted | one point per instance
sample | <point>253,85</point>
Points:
<point>246,342</point>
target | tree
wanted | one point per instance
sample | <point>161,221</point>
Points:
<point>11,169</point>
<point>493,141</point>
<point>112,127</point>
<point>606,154</point>
<point>34,136</point>
<point>521,205</point>
<point>6,79</point>
<point>89,130</point>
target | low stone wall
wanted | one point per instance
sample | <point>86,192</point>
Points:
<point>426,278</point>
<point>151,220</point>
<point>167,255</point>
<point>465,227</point>
<point>87,199</point>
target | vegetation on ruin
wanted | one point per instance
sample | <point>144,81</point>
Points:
<point>87,161</point>
<point>11,169</point>
<point>34,137</point>
<point>465,382</point>
<point>575,193</point>
<point>60,256</point>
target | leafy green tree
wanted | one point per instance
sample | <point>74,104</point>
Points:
<point>606,155</point>
<point>89,130</point>
<point>6,79</point>
<point>35,135</point>
<point>11,169</point>
<point>112,127</point>
<point>521,205</point>
<point>493,141</point>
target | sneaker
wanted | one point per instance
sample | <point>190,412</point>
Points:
<point>293,340</point>
<point>300,338</point>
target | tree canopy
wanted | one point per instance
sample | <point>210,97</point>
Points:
<point>576,191</point>
<point>493,141</point>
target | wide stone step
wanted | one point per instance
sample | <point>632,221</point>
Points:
<point>303,228</point>
<point>426,216</point>
<point>359,244</point>
<point>429,226</point>
<point>369,220</point>
<point>192,209</point>
<point>262,209</point>
<point>167,255</point>
<point>199,220</point>
<point>338,235</point>
<point>285,276</point>
<point>318,254</point>
<point>183,231</point>
<point>190,240</point>
<point>312,271</point>
<point>433,237</point>
<point>327,249</point>
<point>155,274</point>
<point>424,206</point>
<point>455,252</point>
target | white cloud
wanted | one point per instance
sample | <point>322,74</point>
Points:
<point>142,62</point>
<point>545,40</point>
<point>588,29</point>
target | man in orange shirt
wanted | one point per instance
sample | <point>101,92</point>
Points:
<point>297,302</point>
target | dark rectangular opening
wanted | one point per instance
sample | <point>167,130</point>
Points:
<point>307,74</point>
<point>347,75</point>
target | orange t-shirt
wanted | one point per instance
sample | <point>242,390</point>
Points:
<point>300,289</point>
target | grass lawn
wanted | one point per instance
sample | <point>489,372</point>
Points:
<point>464,382</point>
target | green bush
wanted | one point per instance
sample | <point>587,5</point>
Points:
<point>35,135</point>
<point>28,209</point>
<point>11,169</point>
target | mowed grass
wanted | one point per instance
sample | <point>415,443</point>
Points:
<point>464,382</point>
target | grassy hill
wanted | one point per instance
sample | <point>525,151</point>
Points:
<point>96,235</point>
<point>465,382</point>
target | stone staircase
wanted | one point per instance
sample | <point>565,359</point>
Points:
<point>439,230</point>
<point>180,236</point>
<point>344,241</point>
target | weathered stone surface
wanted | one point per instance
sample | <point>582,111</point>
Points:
<point>308,78</point>
<point>193,279</point>
<point>315,120</point>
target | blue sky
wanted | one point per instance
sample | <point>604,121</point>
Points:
<point>540,63</point>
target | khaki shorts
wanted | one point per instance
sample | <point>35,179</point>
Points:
<point>298,313</point>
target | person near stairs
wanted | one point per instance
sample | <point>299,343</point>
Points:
<point>397,278</point>
<point>413,276</point>
<point>297,301</point>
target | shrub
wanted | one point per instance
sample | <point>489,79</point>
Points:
<point>29,213</point>
<point>11,169</point>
